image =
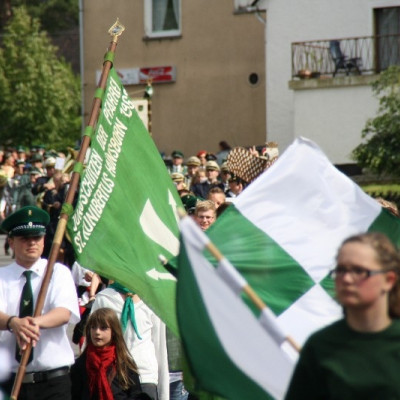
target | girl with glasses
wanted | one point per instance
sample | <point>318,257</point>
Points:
<point>357,357</point>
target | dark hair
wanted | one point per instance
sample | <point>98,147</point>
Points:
<point>388,257</point>
<point>224,145</point>
<point>107,318</point>
<point>211,157</point>
<point>222,208</point>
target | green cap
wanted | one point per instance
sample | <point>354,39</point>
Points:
<point>27,221</point>
<point>36,157</point>
<point>189,202</point>
<point>177,154</point>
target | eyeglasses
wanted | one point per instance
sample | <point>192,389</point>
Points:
<point>358,274</point>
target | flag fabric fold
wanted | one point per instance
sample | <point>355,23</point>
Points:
<point>125,217</point>
<point>229,351</point>
<point>283,232</point>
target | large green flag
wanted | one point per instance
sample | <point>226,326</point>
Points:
<point>283,233</point>
<point>231,352</point>
<point>126,217</point>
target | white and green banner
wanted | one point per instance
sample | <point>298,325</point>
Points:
<point>229,351</point>
<point>283,232</point>
<point>126,217</point>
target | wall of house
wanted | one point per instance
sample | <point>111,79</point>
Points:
<point>211,99</point>
<point>334,118</point>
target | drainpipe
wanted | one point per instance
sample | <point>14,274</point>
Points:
<point>82,69</point>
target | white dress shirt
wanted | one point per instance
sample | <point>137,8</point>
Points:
<point>53,349</point>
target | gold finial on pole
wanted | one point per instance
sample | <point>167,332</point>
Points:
<point>116,30</point>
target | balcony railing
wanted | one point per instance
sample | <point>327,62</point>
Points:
<point>360,55</point>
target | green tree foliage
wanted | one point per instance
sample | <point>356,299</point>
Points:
<point>54,15</point>
<point>39,94</point>
<point>380,152</point>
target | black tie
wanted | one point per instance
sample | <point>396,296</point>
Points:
<point>26,308</point>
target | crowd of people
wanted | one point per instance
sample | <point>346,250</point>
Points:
<point>126,350</point>
<point>136,358</point>
<point>204,183</point>
<point>29,177</point>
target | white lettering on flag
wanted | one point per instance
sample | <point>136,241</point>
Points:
<point>156,230</point>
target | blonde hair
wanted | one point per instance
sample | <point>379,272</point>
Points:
<point>205,205</point>
<point>389,205</point>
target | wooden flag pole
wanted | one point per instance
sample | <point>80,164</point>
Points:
<point>253,296</point>
<point>115,31</point>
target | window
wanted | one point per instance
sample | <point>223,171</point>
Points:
<point>387,22</point>
<point>162,18</point>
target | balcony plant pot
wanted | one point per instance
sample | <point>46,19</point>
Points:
<point>304,74</point>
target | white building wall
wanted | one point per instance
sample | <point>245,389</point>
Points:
<point>304,20</point>
<point>333,118</point>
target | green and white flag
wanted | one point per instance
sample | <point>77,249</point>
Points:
<point>126,213</point>
<point>229,351</point>
<point>283,232</point>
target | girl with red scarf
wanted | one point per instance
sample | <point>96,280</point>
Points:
<point>105,370</point>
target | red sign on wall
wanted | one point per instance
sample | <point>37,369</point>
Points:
<point>158,74</point>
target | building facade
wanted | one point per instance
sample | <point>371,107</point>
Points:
<point>330,107</point>
<point>207,63</point>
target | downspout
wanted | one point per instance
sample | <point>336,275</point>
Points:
<point>82,69</point>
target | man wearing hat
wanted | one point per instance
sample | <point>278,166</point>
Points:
<point>22,193</point>
<point>177,163</point>
<point>178,180</point>
<point>201,155</point>
<point>21,153</point>
<point>236,186</point>
<point>212,173</point>
<point>47,371</point>
<point>225,176</point>
<point>193,165</point>
<point>44,183</point>
<point>37,161</point>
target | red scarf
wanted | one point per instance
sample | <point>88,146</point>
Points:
<point>98,361</point>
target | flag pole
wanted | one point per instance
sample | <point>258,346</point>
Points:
<point>115,31</point>
<point>249,291</point>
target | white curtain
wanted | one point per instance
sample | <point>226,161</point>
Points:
<point>159,13</point>
<point>165,15</point>
<point>389,24</point>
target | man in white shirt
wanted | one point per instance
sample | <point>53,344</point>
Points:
<point>47,374</point>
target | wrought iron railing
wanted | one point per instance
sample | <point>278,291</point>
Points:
<point>358,55</point>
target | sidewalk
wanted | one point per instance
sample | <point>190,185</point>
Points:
<point>4,260</point>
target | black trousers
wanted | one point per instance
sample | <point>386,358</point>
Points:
<point>150,389</point>
<point>58,388</point>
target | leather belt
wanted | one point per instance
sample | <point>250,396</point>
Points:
<point>43,376</point>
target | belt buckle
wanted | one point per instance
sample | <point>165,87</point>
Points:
<point>29,378</point>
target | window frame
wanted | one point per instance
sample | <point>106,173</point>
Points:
<point>148,23</point>
<point>383,61</point>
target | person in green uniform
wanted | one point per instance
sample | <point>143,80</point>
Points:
<point>357,357</point>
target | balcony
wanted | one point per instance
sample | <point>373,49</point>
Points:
<point>326,59</point>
